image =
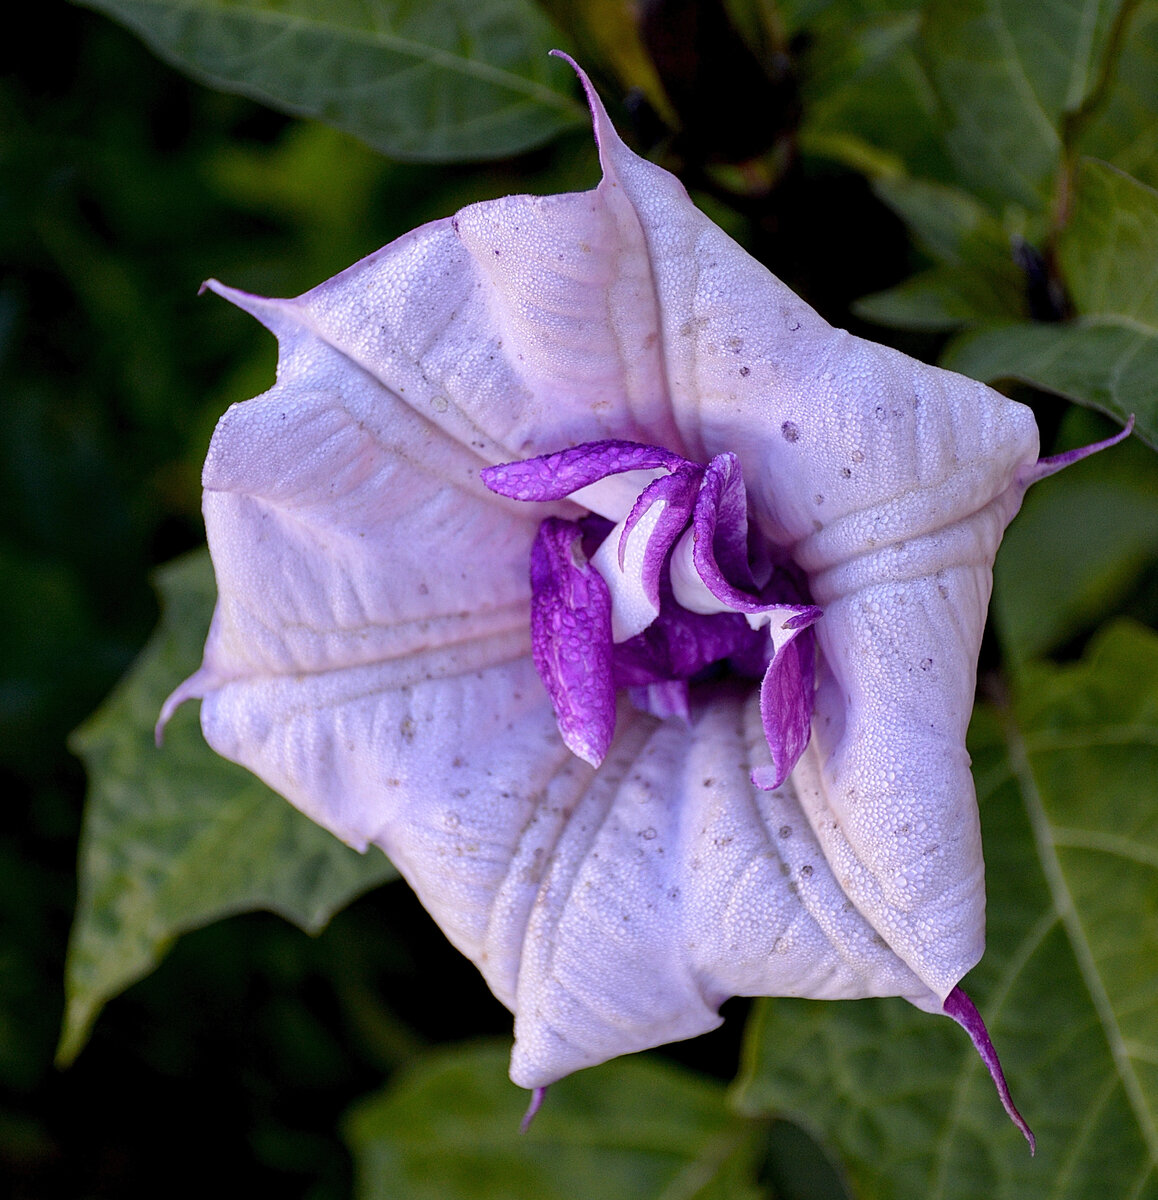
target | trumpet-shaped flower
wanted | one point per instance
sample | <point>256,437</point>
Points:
<point>629,607</point>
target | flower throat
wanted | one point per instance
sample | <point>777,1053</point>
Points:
<point>654,588</point>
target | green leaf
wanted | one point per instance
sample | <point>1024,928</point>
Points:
<point>867,97</point>
<point>1079,544</point>
<point>1108,357</point>
<point>635,1129</point>
<point>1105,366</point>
<point>975,279</point>
<point>1069,984</point>
<point>176,837</point>
<point>1124,130</point>
<point>1110,246</point>
<point>445,81</point>
<point>1009,74</point>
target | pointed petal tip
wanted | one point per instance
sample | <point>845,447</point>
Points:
<point>174,701</point>
<point>964,1012</point>
<point>805,616</point>
<point>193,688</point>
<point>262,308</point>
<point>606,135</point>
<point>538,1095</point>
<point>581,745</point>
<point>562,54</point>
<point>216,287</point>
<point>1044,467</point>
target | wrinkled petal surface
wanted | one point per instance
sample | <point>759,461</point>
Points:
<point>371,658</point>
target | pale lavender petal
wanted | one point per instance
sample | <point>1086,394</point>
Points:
<point>890,483</point>
<point>964,1012</point>
<point>671,885</point>
<point>571,639</point>
<point>303,507</point>
<point>556,476</point>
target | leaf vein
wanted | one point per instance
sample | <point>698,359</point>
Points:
<point>1067,913</point>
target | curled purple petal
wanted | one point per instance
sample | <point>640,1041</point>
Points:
<point>571,639</point>
<point>721,521</point>
<point>964,1012</point>
<point>556,476</point>
<point>713,554</point>
<point>786,695</point>
<point>677,493</point>
<point>1032,473</point>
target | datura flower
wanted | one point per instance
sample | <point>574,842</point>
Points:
<point>629,607</point>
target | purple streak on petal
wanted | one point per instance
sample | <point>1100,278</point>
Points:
<point>571,639</point>
<point>538,1095</point>
<point>1044,467</point>
<point>556,476</point>
<point>786,699</point>
<point>720,549</point>
<point>964,1012</point>
<point>678,491</point>
<point>723,509</point>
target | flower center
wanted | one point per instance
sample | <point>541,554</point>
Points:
<point>656,588</point>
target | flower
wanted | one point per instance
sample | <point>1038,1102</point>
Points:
<point>572,480</point>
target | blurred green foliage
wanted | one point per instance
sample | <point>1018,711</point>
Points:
<point>916,164</point>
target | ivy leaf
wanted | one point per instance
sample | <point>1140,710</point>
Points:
<point>449,81</point>
<point>635,1129</point>
<point>176,837</point>
<point>1107,358</point>
<point>1069,983</point>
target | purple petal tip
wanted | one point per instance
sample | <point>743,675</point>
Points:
<point>964,1012</point>
<point>537,1096</point>
<point>1044,467</point>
